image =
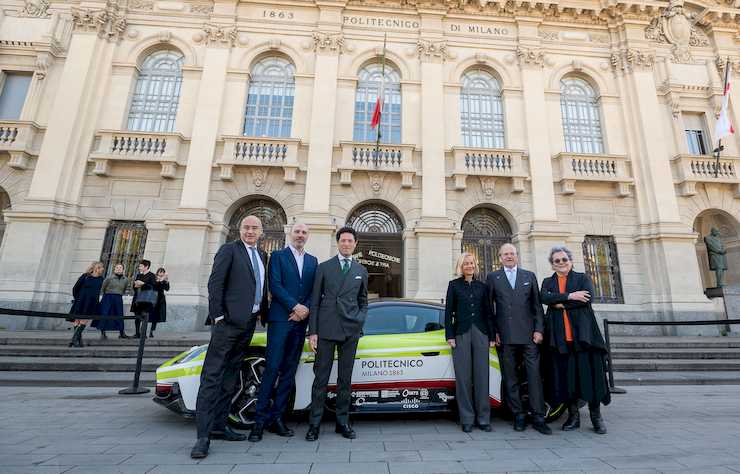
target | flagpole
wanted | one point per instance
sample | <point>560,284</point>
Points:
<point>382,78</point>
<point>718,150</point>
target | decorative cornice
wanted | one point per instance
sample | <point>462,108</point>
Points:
<point>631,58</point>
<point>534,57</point>
<point>332,43</point>
<point>432,50</point>
<point>35,9</point>
<point>110,23</point>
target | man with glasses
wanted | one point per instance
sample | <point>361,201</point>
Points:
<point>519,326</point>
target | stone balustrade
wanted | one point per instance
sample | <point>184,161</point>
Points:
<point>164,148</point>
<point>569,168</point>
<point>489,163</point>
<point>385,158</point>
<point>18,138</point>
<point>691,169</point>
<point>252,151</point>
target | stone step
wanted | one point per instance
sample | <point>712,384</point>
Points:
<point>127,364</point>
<point>74,379</point>
<point>90,351</point>
<point>674,342</point>
<point>649,365</point>
<point>676,378</point>
<point>91,337</point>
<point>673,353</point>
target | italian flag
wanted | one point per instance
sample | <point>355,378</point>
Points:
<point>723,128</point>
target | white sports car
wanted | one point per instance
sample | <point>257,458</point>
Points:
<point>403,363</point>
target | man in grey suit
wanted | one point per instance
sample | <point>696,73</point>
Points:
<point>338,311</point>
<point>519,325</point>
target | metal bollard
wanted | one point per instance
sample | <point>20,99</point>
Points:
<point>135,389</point>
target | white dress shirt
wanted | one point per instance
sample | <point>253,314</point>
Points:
<point>261,283</point>
<point>298,259</point>
<point>511,275</point>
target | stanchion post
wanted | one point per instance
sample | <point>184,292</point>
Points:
<point>135,389</point>
<point>607,340</point>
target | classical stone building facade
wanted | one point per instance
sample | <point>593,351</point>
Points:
<point>145,128</point>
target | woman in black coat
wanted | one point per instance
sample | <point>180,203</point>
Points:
<point>86,294</point>
<point>577,351</point>
<point>159,313</point>
<point>144,280</point>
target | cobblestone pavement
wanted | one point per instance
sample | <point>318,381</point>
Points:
<point>651,429</point>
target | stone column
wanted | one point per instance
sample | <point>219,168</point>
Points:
<point>38,275</point>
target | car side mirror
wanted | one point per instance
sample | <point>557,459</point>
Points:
<point>433,327</point>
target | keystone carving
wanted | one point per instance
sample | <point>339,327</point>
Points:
<point>328,42</point>
<point>530,57</point>
<point>432,50</point>
<point>110,23</point>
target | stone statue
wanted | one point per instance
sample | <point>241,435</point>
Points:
<point>716,252</point>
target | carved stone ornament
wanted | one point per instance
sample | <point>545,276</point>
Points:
<point>213,34</point>
<point>110,23</point>
<point>488,185</point>
<point>675,26</point>
<point>43,61</point>
<point>259,177</point>
<point>376,182</point>
<point>629,59</point>
<point>530,57</point>
<point>432,50</point>
<point>141,5</point>
<point>35,9</point>
<point>202,8</point>
<point>721,62</point>
<point>328,42</point>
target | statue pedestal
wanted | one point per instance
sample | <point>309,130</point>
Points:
<point>731,299</point>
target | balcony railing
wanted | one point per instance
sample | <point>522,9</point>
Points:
<point>358,156</point>
<point>572,167</point>
<point>17,138</point>
<point>489,162</point>
<point>116,145</point>
<point>251,151</point>
<point>691,169</point>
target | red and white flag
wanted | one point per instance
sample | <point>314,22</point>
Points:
<point>723,128</point>
<point>378,112</point>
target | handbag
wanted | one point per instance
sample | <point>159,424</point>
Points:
<point>146,298</point>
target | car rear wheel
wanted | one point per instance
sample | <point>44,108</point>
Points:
<point>244,403</point>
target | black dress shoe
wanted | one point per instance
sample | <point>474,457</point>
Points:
<point>346,431</point>
<point>200,450</point>
<point>467,428</point>
<point>280,429</point>
<point>255,436</point>
<point>598,423</point>
<point>487,428</point>
<point>520,423</point>
<point>227,434</point>
<point>542,427</point>
<point>313,433</point>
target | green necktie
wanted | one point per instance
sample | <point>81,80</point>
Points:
<point>345,266</point>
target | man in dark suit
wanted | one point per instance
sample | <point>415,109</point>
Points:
<point>338,311</point>
<point>291,274</point>
<point>237,296</point>
<point>519,325</point>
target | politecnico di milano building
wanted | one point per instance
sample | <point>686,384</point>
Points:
<point>144,128</point>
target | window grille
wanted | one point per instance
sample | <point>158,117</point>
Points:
<point>484,232</point>
<point>273,223</point>
<point>270,99</point>
<point>124,243</point>
<point>157,93</point>
<point>581,115</point>
<point>481,111</point>
<point>368,88</point>
<point>602,265</point>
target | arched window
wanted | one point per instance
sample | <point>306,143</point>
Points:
<point>484,231</point>
<point>481,111</point>
<point>579,107</point>
<point>270,100</point>
<point>368,88</point>
<point>273,220</point>
<point>157,93</point>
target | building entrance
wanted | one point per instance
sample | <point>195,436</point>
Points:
<point>380,248</point>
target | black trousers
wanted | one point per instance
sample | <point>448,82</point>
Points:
<point>218,380</point>
<point>531,354</point>
<point>322,370</point>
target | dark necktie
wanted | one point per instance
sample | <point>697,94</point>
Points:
<point>345,265</point>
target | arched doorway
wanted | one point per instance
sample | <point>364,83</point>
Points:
<point>380,248</point>
<point>273,220</point>
<point>729,232</point>
<point>484,231</point>
<point>4,206</point>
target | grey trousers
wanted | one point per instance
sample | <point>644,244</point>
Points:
<point>470,358</point>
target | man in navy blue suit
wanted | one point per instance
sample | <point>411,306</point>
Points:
<point>291,276</point>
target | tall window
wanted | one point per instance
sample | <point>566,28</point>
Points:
<point>579,107</point>
<point>602,265</point>
<point>696,138</point>
<point>157,93</point>
<point>484,232</point>
<point>270,99</point>
<point>368,88</point>
<point>124,243</point>
<point>13,90</point>
<point>481,111</point>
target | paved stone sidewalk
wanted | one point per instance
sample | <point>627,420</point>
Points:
<point>651,429</point>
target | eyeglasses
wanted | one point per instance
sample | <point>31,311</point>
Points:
<point>558,261</point>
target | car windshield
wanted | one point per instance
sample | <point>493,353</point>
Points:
<point>401,319</point>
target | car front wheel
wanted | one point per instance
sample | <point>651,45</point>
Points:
<point>244,403</point>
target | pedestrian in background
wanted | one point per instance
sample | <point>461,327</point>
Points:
<point>577,351</point>
<point>86,293</point>
<point>112,303</point>
<point>159,312</point>
<point>144,280</point>
<point>470,334</point>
